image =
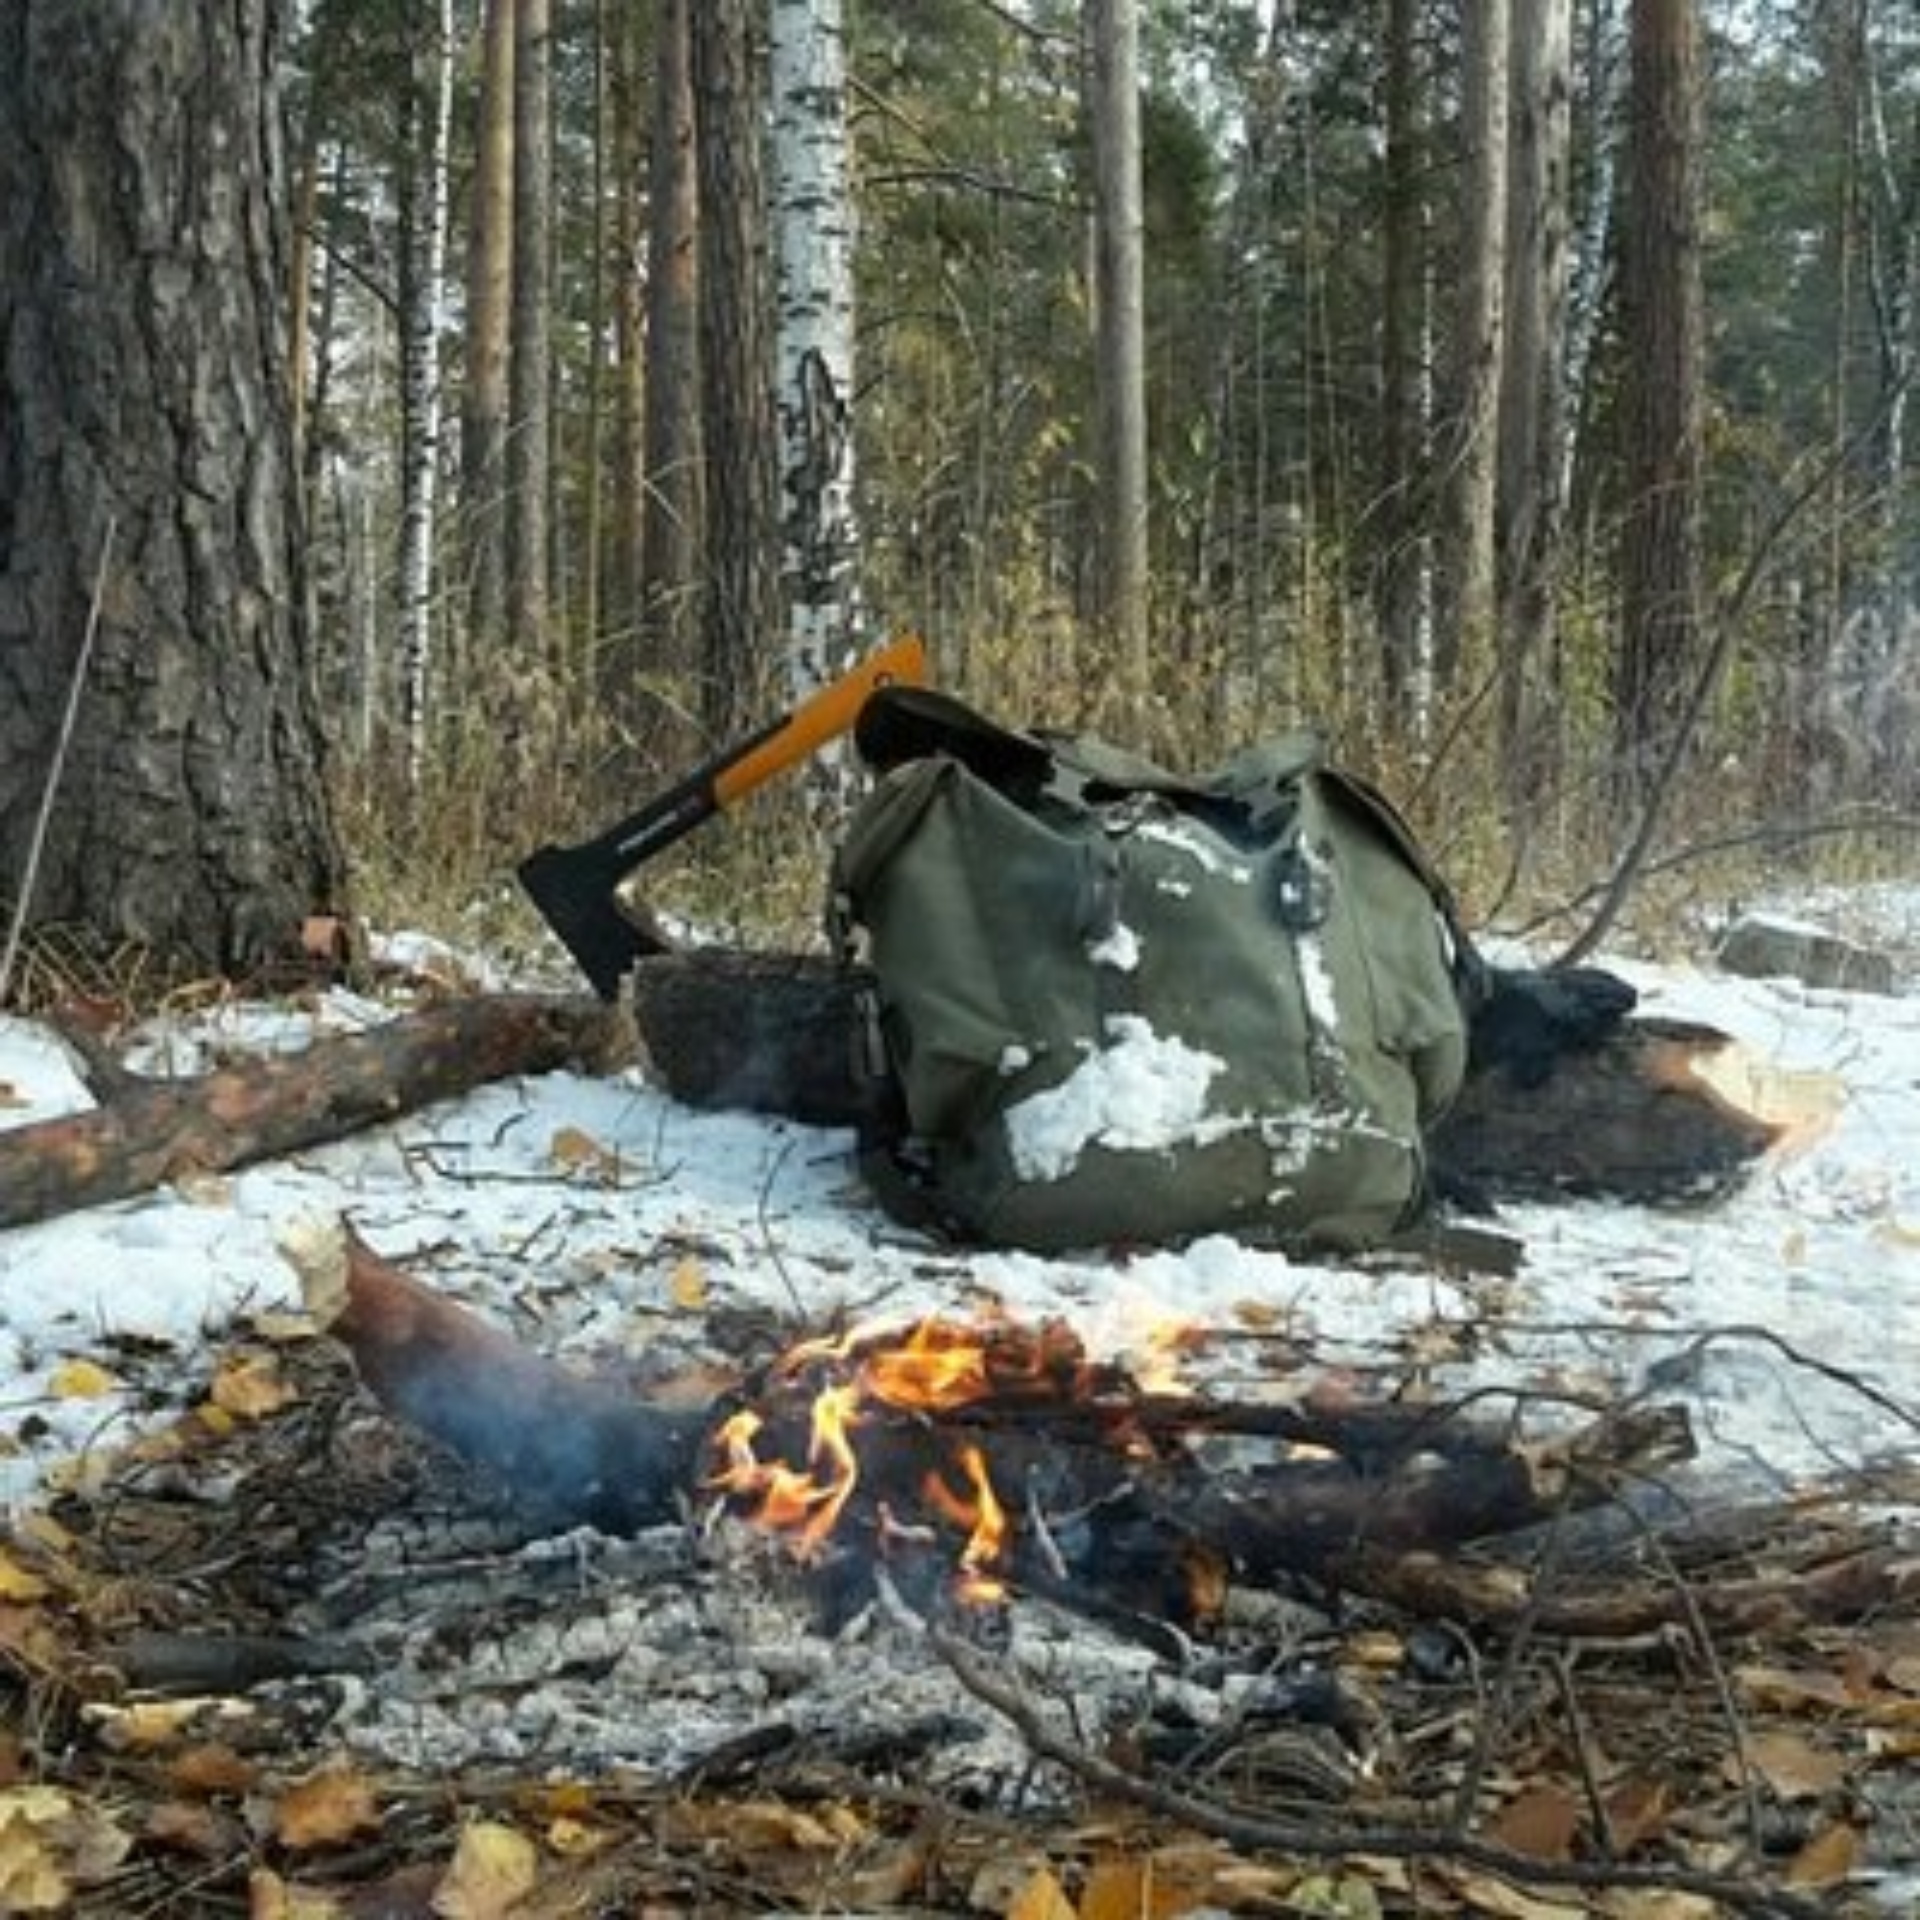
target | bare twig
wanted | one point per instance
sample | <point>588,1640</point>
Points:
<point>1259,1833</point>
<point>37,845</point>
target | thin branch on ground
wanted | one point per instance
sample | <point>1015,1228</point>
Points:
<point>1258,1833</point>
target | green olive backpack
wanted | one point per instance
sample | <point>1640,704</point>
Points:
<point>1122,1005</point>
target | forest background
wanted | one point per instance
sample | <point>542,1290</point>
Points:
<point>1518,389</point>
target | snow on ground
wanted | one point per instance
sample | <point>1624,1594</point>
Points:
<point>575,1209</point>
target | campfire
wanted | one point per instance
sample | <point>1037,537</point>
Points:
<point>972,1562</point>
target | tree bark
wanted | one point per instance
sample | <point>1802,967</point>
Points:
<point>813,218</point>
<point>672,532</point>
<point>1119,302</point>
<point>144,387</point>
<point>1471,437</point>
<point>1663,329</point>
<point>428,123</point>
<point>530,372</point>
<point>1532,452</point>
<point>741,600</point>
<point>484,404</point>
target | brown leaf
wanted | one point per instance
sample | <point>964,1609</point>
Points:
<point>213,1768</point>
<point>192,1827</point>
<point>324,1809</point>
<point>271,1898</point>
<point>1792,1767</point>
<point>1637,1812</point>
<point>1827,1859</point>
<point>1540,1823</point>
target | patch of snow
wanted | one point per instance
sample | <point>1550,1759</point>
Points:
<point>1119,949</point>
<point>1142,1093</point>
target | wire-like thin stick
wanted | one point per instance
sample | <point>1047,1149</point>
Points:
<point>37,845</point>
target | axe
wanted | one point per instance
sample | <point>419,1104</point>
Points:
<point>576,888</point>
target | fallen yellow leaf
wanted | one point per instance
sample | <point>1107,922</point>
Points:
<point>494,1869</point>
<point>16,1583</point>
<point>689,1285</point>
<point>251,1386</point>
<point>1041,1897</point>
<point>82,1380</point>
<point>52,1842</point>
<point>271,1898</point>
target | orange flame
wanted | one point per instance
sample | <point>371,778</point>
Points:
<point>934,1366</point>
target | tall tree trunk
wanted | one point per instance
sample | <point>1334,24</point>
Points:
<point>483,418</point>
<point>529,403</point>
<point>813,218</point>
<point>1530,508</point>
<point>620,653</point>
<point>1663,344</point>
<point>1471,449</point>
<point>1119,301</point>
<point>741,606</point>
<point>144,389</point>
<point>1403,569</point>
<point>593,480</point>
<point>673,533</point>
<point>423,301</point>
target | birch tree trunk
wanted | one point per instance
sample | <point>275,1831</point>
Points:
<point>529,420</point>
<point>1113,31</point>
<point>483,421</point>
<point>1471,446</point>
<point>423,304</point>
<point>1530,506</point>
<point>813,221</point>
<point>1664,342</point>
<point>741,602</point>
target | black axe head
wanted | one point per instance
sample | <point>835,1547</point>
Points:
<point>577,895</point>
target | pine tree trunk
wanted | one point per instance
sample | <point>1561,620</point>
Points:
<point>1465,630</point>
<point>740,619</point>
<point>529,406</point>
<point>1113,31</point>
<point>814,227</point>
<point>1530,508</point>
<point>673,530</point>
<point>1403,568</point>
<point>1664,335</point>
<point>483,420</point>
<point>145,391</point>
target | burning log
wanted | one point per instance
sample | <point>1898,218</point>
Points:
<point>995,1456</point>
<point>576,1448</point>
<point>149,1131</point>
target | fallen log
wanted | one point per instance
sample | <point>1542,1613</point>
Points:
<point>1657,1111</point>
<point>1087,1510</point>
<point>146,1132</point>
